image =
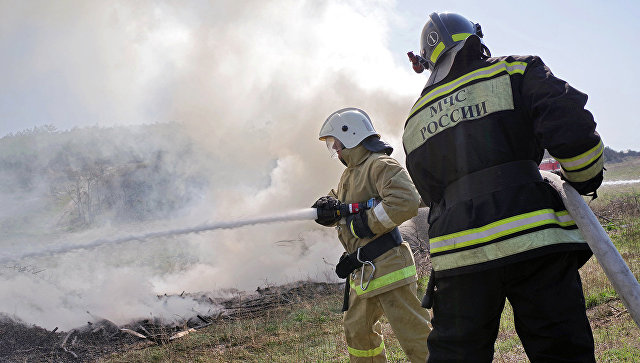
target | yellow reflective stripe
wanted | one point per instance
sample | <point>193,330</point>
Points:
<point>582,160</point>
<point>436,52</point>
<point>504,66</point>
<point>460,36</point>
<point>471,102</point>
<point>499,229</point>
<point>586,174</point>
<point>353,232</point>
<point>384,280</point>
<point>507,247</point>
<point>366,353</point>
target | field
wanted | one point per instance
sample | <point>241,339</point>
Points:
<point>306,326</point>
<point>311,331</point>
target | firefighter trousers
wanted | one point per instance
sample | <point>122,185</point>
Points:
<point>548,307</point>
<point>409,321</point>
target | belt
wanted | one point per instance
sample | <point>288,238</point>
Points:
<point>491,180</point>
<point>365,254</point>
<point>369,252</point>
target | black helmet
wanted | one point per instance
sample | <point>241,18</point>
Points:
<point>442,32</point>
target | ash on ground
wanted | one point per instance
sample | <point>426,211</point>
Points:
<point>23,343</point>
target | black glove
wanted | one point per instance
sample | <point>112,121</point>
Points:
<point>357,224</point>
<point>327,210</point>
<point>589,186</point>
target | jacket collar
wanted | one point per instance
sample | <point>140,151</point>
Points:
<point>355,156</point>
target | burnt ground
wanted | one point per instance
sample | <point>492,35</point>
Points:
<point>23,343</point>
<point>20,342</point>
<point>28,343</point>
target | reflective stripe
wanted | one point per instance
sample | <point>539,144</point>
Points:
<point>582,160</point>
<point>471,102</point>
<point>460,36</point>
<point>366,353</point>
<point>353,232</point>
<point>500,228</point>
<point>383,217</point>
<point>508,247</point>
<point>511,68</point>
<point>385,280</point>
<point>586,174</point>
<point>436,52</point>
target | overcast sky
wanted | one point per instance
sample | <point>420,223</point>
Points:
<point>82,63</point>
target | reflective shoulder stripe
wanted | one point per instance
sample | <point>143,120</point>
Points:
<point>468,103</point>
<point>508,247</point>
<point>366,353</point>
<point>385,280</point>
<point>499,229</point>
<point>486,72</point>
<point>582,160</point>
<point>383,217</point>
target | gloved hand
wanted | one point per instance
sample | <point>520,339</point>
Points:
<point>327,207</point>
<point>357,224</point>
<point>589,186</point>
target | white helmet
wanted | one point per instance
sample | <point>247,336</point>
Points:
<point>349,125</point>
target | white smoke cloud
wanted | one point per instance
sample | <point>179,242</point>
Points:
<point>252,83</point>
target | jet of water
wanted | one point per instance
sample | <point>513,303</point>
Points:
<point>297,215</point>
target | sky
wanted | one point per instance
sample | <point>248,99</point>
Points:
<point>76,64</point>
<point>251,82</point>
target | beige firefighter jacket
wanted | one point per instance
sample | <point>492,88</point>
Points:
<point>377,175</point>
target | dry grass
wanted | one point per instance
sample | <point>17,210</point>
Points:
<point>311,329</point>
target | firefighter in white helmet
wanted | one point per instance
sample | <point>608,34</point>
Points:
<point>378,266</point>
<point>497,230</point>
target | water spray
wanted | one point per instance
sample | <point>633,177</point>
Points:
<point>298,215</point>
<point>304,214</point>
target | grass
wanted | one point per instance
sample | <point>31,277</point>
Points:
<point>312,331</point>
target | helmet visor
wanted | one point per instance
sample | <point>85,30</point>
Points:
<point>333,145</point>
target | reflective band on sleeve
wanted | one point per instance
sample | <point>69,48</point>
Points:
<point>499,229</point>
<point>366,353</point>
<point>460,36</point>
<point>511,68</point>
<point>383,217</point>
<point>436,52</point>
<point>508,247</point>
<point>582,160</point>
<point>586,174</point>
<point>385,280</point>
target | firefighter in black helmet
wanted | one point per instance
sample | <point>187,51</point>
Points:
<point>497,230</point>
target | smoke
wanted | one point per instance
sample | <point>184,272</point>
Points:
<point>250,83</point>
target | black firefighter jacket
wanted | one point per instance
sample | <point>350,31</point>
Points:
<point>486,114</point>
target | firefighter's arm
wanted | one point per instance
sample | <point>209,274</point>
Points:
<point>399,197</point>
<point>564,127</point>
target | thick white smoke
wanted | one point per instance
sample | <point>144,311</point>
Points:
<point>251,82</point>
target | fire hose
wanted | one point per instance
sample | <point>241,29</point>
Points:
<point>616,269</point>
<point>297,215</point>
